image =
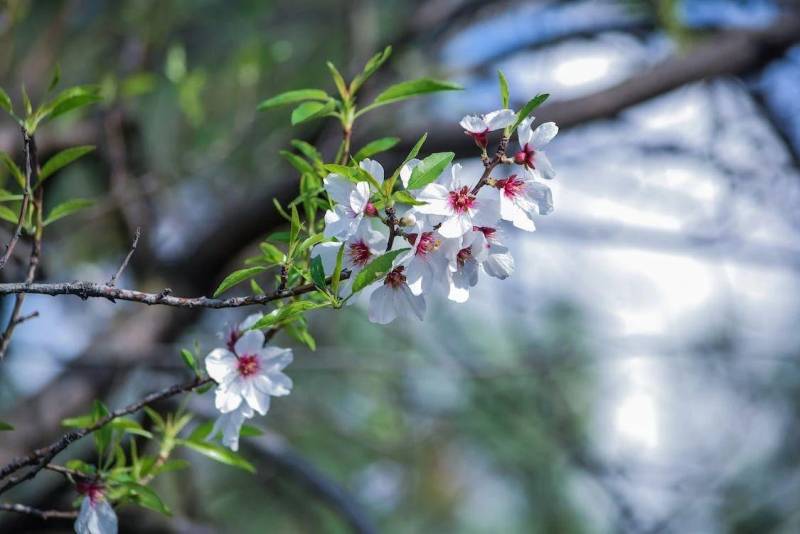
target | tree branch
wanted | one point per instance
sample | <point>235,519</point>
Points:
<point>41,514</point>
<point>40,458</point>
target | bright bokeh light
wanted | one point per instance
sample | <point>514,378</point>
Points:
<point>581,70</point>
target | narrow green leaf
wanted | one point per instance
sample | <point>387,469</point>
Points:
<point>297,162</point>
<point>318,272</point>
<point>375,147</point>
<point>376,269</point>
<point>271,253</point>
<point>129,426</point>
<point>202,432</point>
<point>311,110</point>
<point>337,272</point>
<point>15,171</point>
<point>294,231</point>
<point>404,197</point>
<point>503,88</point>
<point>26,101</point>
<point>146,497</point>
<point>286,314</point>
<point>310,242</point>
<point>55,78</point>
<point>5,427</point>
<point>293,97</point>
<point>62,159</point>
<point>412,88</point>
<point>154,416</point>
<point>374,63</point>
<point>190,361</point>
<point>7,214</point>
<point>8,196</point>
<point>67,208</point>
<point>70,99</point>
<point>249,431</point>
<point>526,110</point>
<point>429,170</point>
<point>338,80</point>
<point>237,277</point>
<point>102,436</point>
<point>5,101</point>
<point>308,150</point>
<point>218,453</point>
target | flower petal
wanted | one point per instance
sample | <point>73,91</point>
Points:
<point>544,166</point>
<point>221,363</point>
<point>456,226</point>
<point>407,169</point>
<point>374,168</point>
<point>338,187</point>
<point>473,124</point>
<point>543,134</point>
<point>251,342</point>
<point>381,305</point>
<point>524,132</point>
<point>500,119</point>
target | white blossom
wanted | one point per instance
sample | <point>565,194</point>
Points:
<point>427,263</point>
<point>454,205</point>
<point>523,197</point>
<point>250,374</point>
<point>394,299</point>
<point>230,424</point>
<point>352,201</point>
<point>96,515</point>
<point>474,250</point>
<point>360,248</point>
<point>530,154</point>
<point>478,127</point>
<point>498,262</point>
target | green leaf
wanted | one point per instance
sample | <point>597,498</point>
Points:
<point>310,242</point>
<point>429,169</point>
<point>7,214</point>
<point>237,277</point>
<point>308,150</point>
<point>374,63</point>
<point>171,465</point>
<point>388,185</point>
<point>154,416</point>
<point>218,453</point>
<point>129,426</point>
<point>249,431</point>
<point>337,272</point>
<point>526,110</point>
<point>80,466</point>
<point>311,110</point>
<point>15,171</point>
<point>375,147</point>
<point>292,97</point>
<point>338,80</point>
<point>412,88</point>
<point>503,88</point>
<point>67,208</point>
<point>280,237</point>
<point>404,197</point>
<point>26,100</point>
<point>5,427</point>
<point>55,78</point>
<point>318,272</point>
<point>376,269</point>
<point>190,361</point>
<point>285,314</point>
<point>146,497</point>
<point>5,101</point>
<point>68,100</point>
<point>297,162</point>
<point>294,230</point>
<point>8,196</point>
<point>62,159</point>
<point>102,436</point>
<point>271,253</point>
<point>202,431</point>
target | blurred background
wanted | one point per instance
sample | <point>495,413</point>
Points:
<point>639,371</point>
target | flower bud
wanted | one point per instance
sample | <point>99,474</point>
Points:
<point>370,210</point>
<point>520,157</point>
<point>407,220</point>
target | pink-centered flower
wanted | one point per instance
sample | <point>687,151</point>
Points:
<point>359,249</point>
<point>474,250</point>
<point>96,515</point>
<point>455,206</point>
<point>249,374</point>
<point>522,197</point>
<point>351,201</point>
<point>394,299</point>
<point>530,155</point>
<point>479,126</point>
<point>427,263</point>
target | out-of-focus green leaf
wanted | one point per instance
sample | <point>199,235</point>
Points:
<point>7,214</point>
<point>412,88</point>
<point>287,313</point>
<point>218,453</point>
<point>297,162</point>
<point>146,497</point>
<point>12,167</point>
<point>5,427</point>
<point>311,110</point>
<point>318,272</point>
<point>526,110</point>
<point>504,97</point>
<point>5,101</point>
<point>190,361</point>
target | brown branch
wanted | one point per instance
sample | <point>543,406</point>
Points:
<point>127,259</point>
<point>30,169</point>
<point>87,290</point>
<point>41,514</point>
<point>40,458</point>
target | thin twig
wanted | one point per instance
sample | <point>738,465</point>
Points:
<point>87,290</point>
<point>30,158</point>
<point>40,458</point>
<point>41,514</point>
<point>127,259</point>
<point>66,471</point>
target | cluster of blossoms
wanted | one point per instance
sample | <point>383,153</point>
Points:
<point>452,230</point>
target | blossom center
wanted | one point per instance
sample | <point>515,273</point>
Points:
<point>427,243</point>
<point>248,365</point>
<point>360,253</point>
<point>481,138</point>
<point>396,278</point>
<point>487,231</point>
<point>233,336</point>
<point>463,256</point>
<point>525,156</point>
<point>461,200</point>
<point>93,490</point>
<point>512,186</point>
